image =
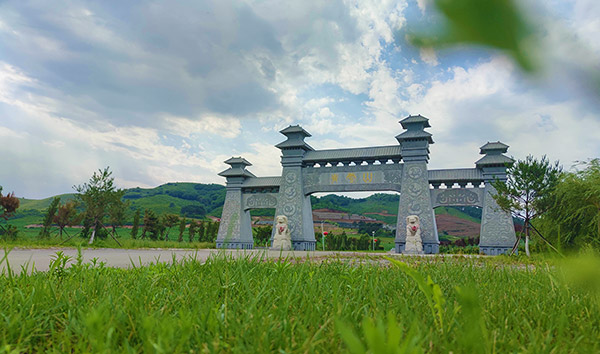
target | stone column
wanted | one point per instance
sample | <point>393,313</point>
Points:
<point>497,235</point>
<point>235,230</point>
<point>415,196</point>
<point>292,201</point>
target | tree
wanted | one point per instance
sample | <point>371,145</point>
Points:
<point>66,216</point>
<point>182,225</point>
<point>262,235</point>
<point>116,214</point>
<point>151,225</point>
<point>169,220</point>
<point>343,240</point>
<point>576,210</point>
<point>98,197</point>
<point>193,211</point>
<point>211,231</point>
<point>49,218</point>
<point>192,230</point>
<point>201,231</point>
<point>527,192</point>
<point>8,205</point>
<point>136,224</point>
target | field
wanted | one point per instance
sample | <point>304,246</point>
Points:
<point>474,305</point>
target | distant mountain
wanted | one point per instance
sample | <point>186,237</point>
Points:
<point>198,200</point>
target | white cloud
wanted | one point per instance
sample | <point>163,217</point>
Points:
<point>227,127</point>
<point>429,56</point>
<point>9,133</point>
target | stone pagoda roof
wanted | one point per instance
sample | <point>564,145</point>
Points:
<point>496,160</point>
<point>493,152</point>
<point>295,129</point>
<point>238,160</point>
<point>295,138</point>
<point>494,146</point>
<point>238,168</point>
<point>356,154</point>
<point>415,119</point>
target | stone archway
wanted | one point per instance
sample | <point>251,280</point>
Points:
<point>402,168</point>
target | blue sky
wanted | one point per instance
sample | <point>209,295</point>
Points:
<point>166,91</point>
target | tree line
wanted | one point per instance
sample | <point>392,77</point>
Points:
<point>343,242</point>
<point>100,207</point>
<point>156,227</point>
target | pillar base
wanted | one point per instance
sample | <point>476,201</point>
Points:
<point>494,250</point>
<point>428,248</point>
<point>304,245</point>
<point>236,245</point>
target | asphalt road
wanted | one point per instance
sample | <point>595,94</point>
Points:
<point>40,259</point>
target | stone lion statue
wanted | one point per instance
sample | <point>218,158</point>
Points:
<point>414,243</point>
<point>282,239</point>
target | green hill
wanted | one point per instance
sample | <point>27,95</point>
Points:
<point>190,199</point>
<point>41,204</point>
<point>193,199</point>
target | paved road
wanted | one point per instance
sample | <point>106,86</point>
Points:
<point>124,258</point>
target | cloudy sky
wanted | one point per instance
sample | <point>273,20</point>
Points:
<point>166,91</point>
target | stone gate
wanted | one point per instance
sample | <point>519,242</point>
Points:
<point>401,168</point>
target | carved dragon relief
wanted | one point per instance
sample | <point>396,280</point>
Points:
<point>260,201</point>
<point>458,197</point>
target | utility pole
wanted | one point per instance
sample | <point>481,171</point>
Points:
<point>373,233</point>
<point>322,236</point>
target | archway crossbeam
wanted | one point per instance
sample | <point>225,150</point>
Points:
<point>401,168</point>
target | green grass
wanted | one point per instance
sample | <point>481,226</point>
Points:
<point>254,305</point>
<point>103,243</point>
<point>28,238</point>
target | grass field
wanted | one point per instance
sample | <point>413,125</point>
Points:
<point>476,305</point>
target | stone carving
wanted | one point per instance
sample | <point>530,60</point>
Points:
<point>457,197</point>
<point>230,225</point>
<point>415,189</point>
<point>352,178</point>
<point>291,177</point>
<point>291,192</point>
<point>234,230</point>
<point>414,243</point>
<point>311,179</point>
<point>261,201</point>
<point>282,241</point>
<point>415,172</point>
<point>415,200</point>
<point>394,177</point>
<point>291,204</point>
<point>497,227</point>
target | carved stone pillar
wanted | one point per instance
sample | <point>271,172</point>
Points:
<point>296,206</point>
<point>415,198</point>
<point>497,235</point>
<point>292,201</point>
<point>235,230</point>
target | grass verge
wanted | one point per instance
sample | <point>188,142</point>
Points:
<point>251,304</point>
